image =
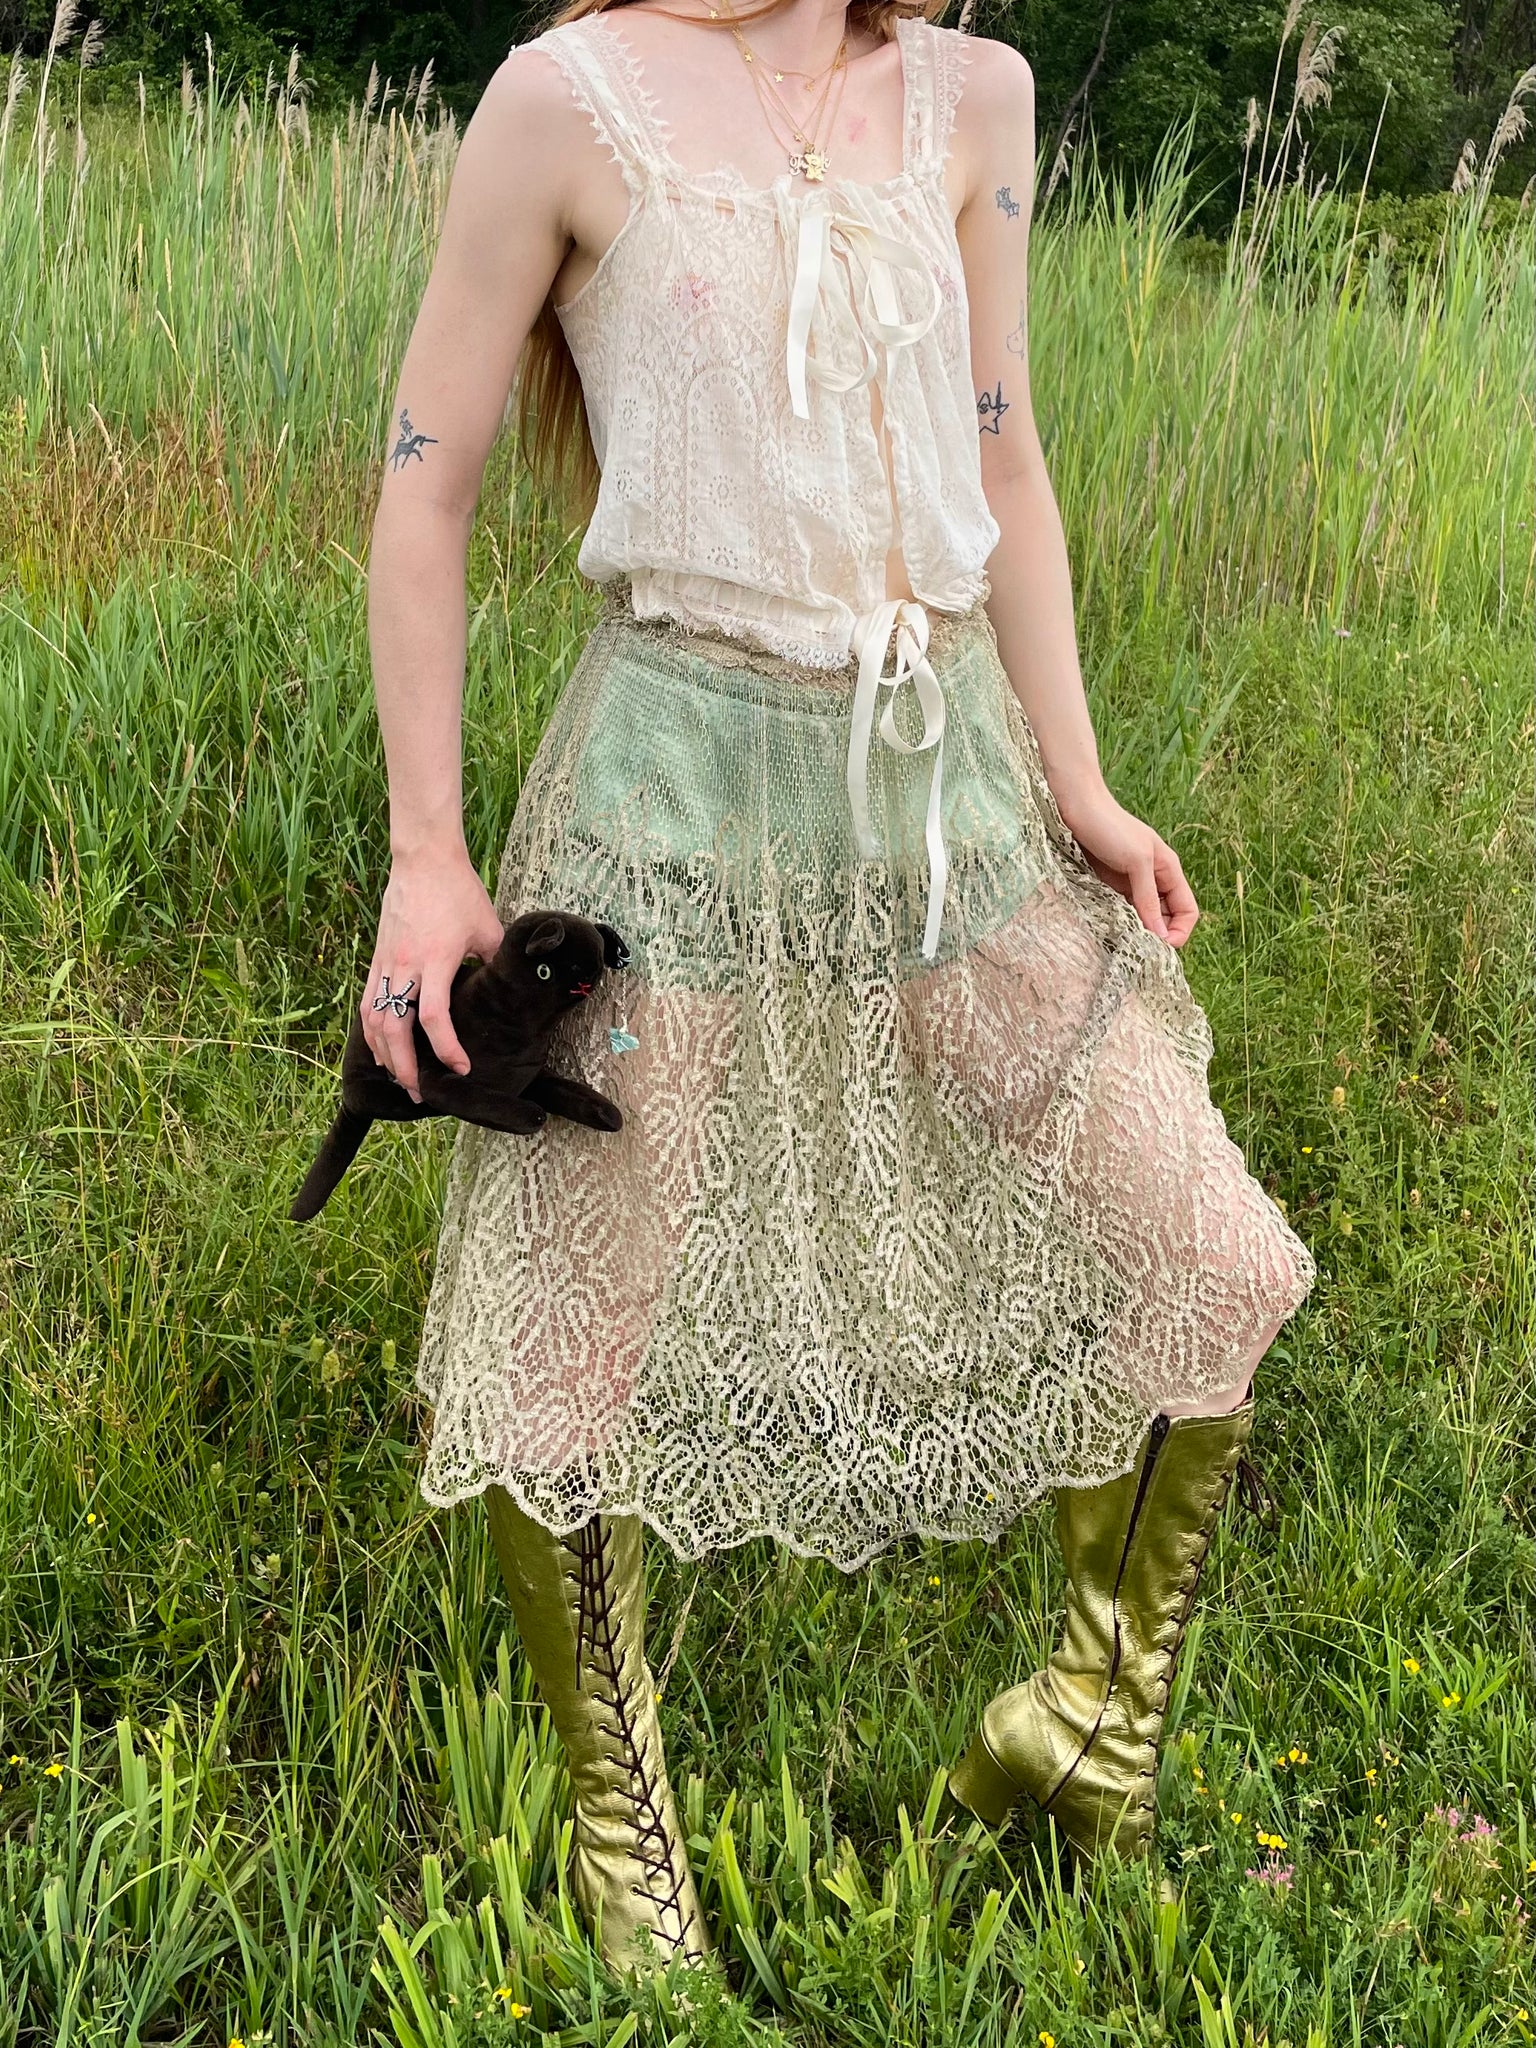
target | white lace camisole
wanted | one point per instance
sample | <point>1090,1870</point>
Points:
<point>725,345</point>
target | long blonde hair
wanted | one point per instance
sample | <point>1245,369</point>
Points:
<point>552,427</point>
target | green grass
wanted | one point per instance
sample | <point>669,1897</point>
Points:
<point>303,1796</point>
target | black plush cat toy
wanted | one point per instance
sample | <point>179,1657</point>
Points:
<point>504,1010</point>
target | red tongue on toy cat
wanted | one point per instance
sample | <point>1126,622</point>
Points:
<point>505,1011</point>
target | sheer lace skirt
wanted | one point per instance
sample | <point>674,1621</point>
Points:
<point>886,1246</point>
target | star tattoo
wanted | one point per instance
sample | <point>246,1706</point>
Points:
<point>410,442</point>
<point>990,407</point>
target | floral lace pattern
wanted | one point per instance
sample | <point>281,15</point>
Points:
<point>722,508</point>
<point>884,1248</point>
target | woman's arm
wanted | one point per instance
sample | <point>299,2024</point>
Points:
<point>1031,602</point>
<point>520,181</point>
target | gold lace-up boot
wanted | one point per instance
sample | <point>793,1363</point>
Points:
<point>1081,1737</point>
<point>580,1607</point>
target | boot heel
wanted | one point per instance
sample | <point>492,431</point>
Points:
<point>982,1786</point>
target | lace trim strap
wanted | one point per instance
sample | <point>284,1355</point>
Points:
<point>605,79</point>
<point>934,61</point>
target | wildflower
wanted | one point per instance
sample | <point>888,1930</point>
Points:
<point>1078,1966</point>
<point>1450,1699</point>
<point>1236,1819</point>
<point>1298,1756</point>
<point>1047,2040</point>
<point>1269,1841</point>
<point>935,1580</point>
<point>1381,1820</point>
<point>90,1521</point>
<point>1530,1868</point>
<point>1280,1876</point>
<point>1338,1098</point>
<point>1370,1777</point>
<point>235,2041</point>
<point>53,1770</point>
<point>1305,1150</point>
<point>1411,1666</point>
<point>1521,2013</point>
<point>17,1760</point>
<point>514,2010</point>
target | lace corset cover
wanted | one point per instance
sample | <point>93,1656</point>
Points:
<point>737,496</point>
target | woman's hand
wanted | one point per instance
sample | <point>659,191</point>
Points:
<point>1130,857</point>
<point>436,914</point>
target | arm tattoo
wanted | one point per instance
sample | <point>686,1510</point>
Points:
<point>1016,342</point>
<point>990,407</point>
<point>1007,202</point>
<point>410,443</point>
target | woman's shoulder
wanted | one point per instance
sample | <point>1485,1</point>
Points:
<point>989,64</point>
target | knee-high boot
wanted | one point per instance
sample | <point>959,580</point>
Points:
<point>579,1601</point>
<point>1081,1738</point>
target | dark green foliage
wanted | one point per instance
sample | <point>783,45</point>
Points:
<point>1432,72</point>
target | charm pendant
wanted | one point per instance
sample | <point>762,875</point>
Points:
<point>622,1041</point>
<point>811,164</point>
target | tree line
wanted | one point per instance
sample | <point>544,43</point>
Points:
<point>1412,80</point>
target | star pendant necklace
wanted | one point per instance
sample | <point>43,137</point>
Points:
<point>805,157</point>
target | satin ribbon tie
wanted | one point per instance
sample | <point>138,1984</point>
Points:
<point>876,310</point>
<point>905,619</point>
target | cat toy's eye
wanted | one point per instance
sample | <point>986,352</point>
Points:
<point>545,970</point>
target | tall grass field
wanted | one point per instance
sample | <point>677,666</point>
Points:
<point>271,1769</point>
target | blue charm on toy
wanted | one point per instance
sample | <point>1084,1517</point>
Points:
<point>622,1041</point>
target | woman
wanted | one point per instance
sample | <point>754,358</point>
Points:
<point>920,1206</point>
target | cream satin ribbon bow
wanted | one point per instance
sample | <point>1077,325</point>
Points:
<point>872,632</point>
<point>880,257</point>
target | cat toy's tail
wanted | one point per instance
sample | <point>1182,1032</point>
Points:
<point>336,1154</point>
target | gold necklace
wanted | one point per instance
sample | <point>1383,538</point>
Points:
<point>806,157</point>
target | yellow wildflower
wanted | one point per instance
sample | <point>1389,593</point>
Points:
<point>514,2010</point>
<point>1370,1777</point>
<point>1078,1966</point>
<point>1411,1666</point>
<point>1306,1149</point>
<point>53,1770</point>
<point>90,1519</point>
<point>935,1580</point>
<point>1381,1820</point>
<point>1047,2040</point>
<point>1450,1699</point>
<point>1236,1819</point>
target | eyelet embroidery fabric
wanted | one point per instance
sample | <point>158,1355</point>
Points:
<point>718,506</point>
<point>883,1248</point>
